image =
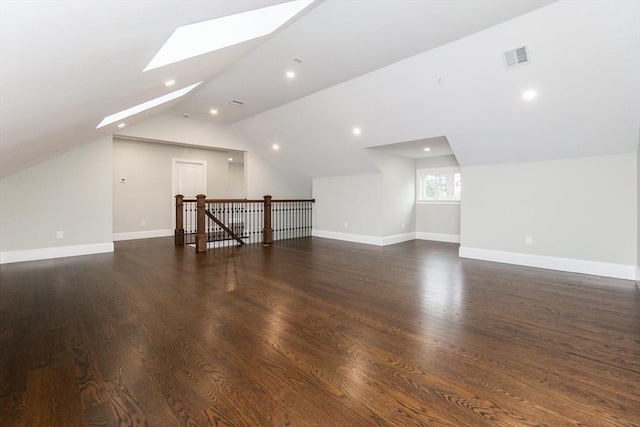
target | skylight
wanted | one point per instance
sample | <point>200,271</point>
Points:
<point>145,106</point>
<point>204,37</point>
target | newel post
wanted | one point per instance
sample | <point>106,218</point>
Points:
<point>201,232</point>
<point>179,232</point>
<point>267,232</point>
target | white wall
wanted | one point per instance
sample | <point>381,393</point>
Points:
<point>438,221</point>
<point>236,186</point>
<point>147,195</point>
<point>354,200</point>
<point>398,192</point>
<point>261,177</point>
<point>374,206</point>
<point>436,162</point>
<point>390,204</point>
<point>638,212</point>
<point>71,193</point>
<point>166,127</point>
<point>581,214</point>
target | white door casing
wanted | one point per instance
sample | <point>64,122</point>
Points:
<point>189,178</point>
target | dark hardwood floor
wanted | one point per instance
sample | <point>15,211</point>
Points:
<point>313,332</point>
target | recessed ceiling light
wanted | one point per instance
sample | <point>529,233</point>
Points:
<point>290,74</point>
<point>357,131</point>
<point>146,105</point>
<point>427,149</point>
<point>204,37</point>
<point>275,147</point>
<point>169,83</point>
<point>231,159</point>
<point>529,94</point>
<point>214,112</point>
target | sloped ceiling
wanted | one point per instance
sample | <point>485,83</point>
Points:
<point>65,65</point>
<point>585,69</point>
<point>373,64</point>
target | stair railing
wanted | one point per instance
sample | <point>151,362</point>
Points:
<point>221,222</point>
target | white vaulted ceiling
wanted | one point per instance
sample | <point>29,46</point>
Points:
<point>585,68</point>
<point>65,65</point>
<point>400,70</point>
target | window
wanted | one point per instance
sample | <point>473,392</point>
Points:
<point>438,185</point>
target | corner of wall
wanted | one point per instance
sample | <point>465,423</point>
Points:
<point>638,211</point>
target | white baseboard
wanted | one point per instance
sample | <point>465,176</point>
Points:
<point>438,237</point>
<point>57,252</point>
<point>619,271</point>
<point>367,240</point>
<point>355,238</point>
<point>398,238</point>
<point>133,235</point>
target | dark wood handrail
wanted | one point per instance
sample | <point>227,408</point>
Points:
<point>234,200</point>
<point>224,227</point>
<point>292,200</point>
<point>226,200</point>
<point>249,200</point>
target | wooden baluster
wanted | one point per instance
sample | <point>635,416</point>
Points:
<point>201,232</point>
<point>179,231</point>
<point>267,230</point>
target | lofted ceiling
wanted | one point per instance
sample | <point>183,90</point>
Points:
<point>404,70</point>
<point>340,40</point>
<point>584,68</point>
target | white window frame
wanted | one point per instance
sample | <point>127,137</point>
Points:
<point>449,171</point>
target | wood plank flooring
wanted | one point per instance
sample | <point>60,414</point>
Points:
<point>313,332</point>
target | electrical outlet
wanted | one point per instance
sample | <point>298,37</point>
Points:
<point>143,223</point>
<point>528,240</point>
<point>346,224</point>
<point>403,225</point>
<point>59,235</point>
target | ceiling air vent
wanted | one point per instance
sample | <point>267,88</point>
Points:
<point>237,103</point>
<point>516,57</point>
